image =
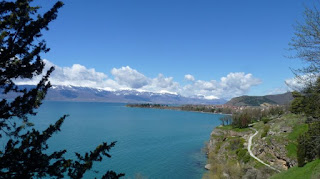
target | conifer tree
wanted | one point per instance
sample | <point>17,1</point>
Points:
<point>24,154</point>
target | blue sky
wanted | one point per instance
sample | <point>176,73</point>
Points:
<point>208,39</point>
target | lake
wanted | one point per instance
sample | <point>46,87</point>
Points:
<point>152,143</point>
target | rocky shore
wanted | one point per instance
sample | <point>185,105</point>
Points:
<point>274,144</point>
<point>228,157</point>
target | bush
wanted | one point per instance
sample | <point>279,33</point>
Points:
<point>265,120</point>
<point>243,155</point>
<point>236,144</point>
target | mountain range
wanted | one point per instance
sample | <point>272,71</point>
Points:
<point>85,94</point>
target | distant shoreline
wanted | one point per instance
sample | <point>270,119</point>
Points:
<point>207,109</point>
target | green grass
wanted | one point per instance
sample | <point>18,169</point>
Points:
<point>257,164</point>
<point>229,127</point>
<point>265,120</point>
<point>259,125</point>
<point>293,137</point>
<point>292,150</point>
<point>241,129</point>
<point>265,131</point>
<point>309,171</point>
<point>290,116</point>
<point>298,130</point>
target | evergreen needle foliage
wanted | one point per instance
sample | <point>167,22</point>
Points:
<point>24,154</point>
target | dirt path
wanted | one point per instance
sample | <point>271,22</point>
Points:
<point>252,155</point>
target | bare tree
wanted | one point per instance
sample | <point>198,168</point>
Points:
<point>306,46</point>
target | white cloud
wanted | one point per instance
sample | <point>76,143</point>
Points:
<point>295,83</point>
<point>279,90</point>
<point>299,82</point>
<point>189,77</point>
<point>162,83</point>
<point>129,77</point>
<point>210,97</point>
<point>234,84</point>
<point>76,75</point>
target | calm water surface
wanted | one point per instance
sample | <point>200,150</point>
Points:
<point>150,142</point>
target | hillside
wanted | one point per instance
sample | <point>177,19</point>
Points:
<point>280,99</point>
<point>275,144</point>
<point>310,170</point>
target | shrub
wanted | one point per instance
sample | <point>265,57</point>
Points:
<point>236,144</point>
<point>265,120</point>
<point>243,155</point>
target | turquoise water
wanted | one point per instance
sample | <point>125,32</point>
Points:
<point>150,142</point>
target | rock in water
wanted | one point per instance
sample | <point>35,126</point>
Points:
<point>208,166</point>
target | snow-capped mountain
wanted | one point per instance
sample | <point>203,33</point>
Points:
<point>72,93</point>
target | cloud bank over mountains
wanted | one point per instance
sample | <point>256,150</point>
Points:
<point>124,78</point>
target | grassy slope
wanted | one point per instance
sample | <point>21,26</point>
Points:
<point>293,137</point>
<point>287,139</point>
<point>296,122</point>
<point>229,127</point>
<point>230,156</point>
<point>309,171</point>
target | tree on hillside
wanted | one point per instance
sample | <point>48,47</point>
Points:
<point>24,155</point>
<point>297,104</point>
<point>241,120</point>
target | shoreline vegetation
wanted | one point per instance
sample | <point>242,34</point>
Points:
<point>215,109</point>
<point>236,116</point>
<point>212,109</point>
